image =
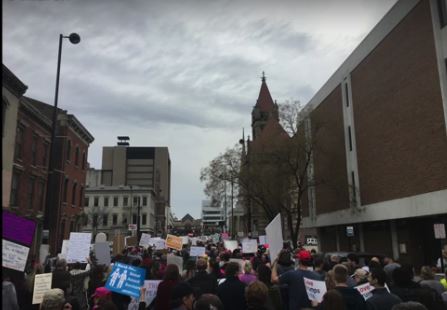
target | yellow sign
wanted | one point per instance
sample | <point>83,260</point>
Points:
<point>174,242</point>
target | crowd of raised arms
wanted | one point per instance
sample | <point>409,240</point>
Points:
<point>230,280</point>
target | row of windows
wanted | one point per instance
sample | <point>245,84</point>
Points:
<point>115,201</point>
<point>74,192</point>
<point>104,219</point>
<point>76,155</point>
<point>19,147</point>
<point>35,191</point>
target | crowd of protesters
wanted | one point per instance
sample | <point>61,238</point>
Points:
<point>231,280</point>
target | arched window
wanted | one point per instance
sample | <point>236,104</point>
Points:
<point>73,194</point>
<point>65,189</point>
<point>84,159</point>
<point>77,156</point>
<point>68,150</point>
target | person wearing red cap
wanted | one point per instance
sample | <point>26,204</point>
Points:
<point>101,293</point>
<point>295,281</point>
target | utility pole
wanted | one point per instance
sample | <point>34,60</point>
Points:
<point>138,217</point>
<point>232,210</point>
<point>225,205</point>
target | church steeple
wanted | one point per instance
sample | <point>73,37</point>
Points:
<point>263,110</point>
<point>265,101</point>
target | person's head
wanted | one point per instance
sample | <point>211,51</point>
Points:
<point>377,277</point>
<point>53,299</point>
<point>71,303</point>
<point>333,300</point>
<point>256,293</point>
<point>190,265</point>
<point>335,258</point>
<point>402,276</point>
<point>353,259</point>
<point>444,250</point>
<point>409,305</point>
<point>61,264</point>
<point>182,294</point>
<point>101,293</point>
<point>340,274</point>
<point>208,302</point>
<point>231,269</point>
<point>374,264</point>
<point>247,267</point>
<point>171,272</point>
<point>106,304</point>
<point>427,273</point>
<point>284,258</point>
<point>318,261</point>
<point>388,260</point>
<point>304,258</point>
<point>360,275</point>
<point>330,281</point>
<point>201,264</point>
<point>264,274</point>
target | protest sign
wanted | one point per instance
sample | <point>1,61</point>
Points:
<point>194,241</point>
<point>262,240</point>
<point>17,228</point>
<point>274,236</point>
<point>102,252</point>
<point>197,251</point>
<point>14,255</point>
<point>231,244</point>
<point>240,262</point>
<point>130,241</point>
<point>64,250</point>
<point>118,244</point>
<point>43,252</point>
<point>78,247</point>
<point>225,236</point>
<point>174,242</point>
<point>126,280</point>
<point>240,234</point>
<point>158,243</point>
<point>151,290</point>
<point>365,290</point>
<point>42,284</point>
<point>175,260</point>
<point>144,240</point>
<point>185,239</point>
<point>250,246</point>
<point>315,289</point>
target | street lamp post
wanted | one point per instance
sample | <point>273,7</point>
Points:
<point>74,39</point>
<point>232,209</point>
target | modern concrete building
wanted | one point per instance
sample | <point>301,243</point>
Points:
<point>212,218</point>
<point>12,90</point>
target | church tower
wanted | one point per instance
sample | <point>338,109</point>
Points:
<point>264,109</point>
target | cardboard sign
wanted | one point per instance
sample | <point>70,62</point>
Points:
<point>263,240</point>
<point>250,246</point>
<point>274,236</point>
<point>17,228</point>
<point>439,231</point>
<point>231,245</point>
<point>151,290</point>
<point>197,251</point>
<point>144,240</point>
<point>102,253</point>
<point>14,255</point>
<point>185,239</point>
<point>130,241</point>
<point>174,242</point>
<point>126,280</point>
<point>175,260</point>
<point>78,247</point>
<point>315,289</point>
<point>365,290</point>
<point>118,244</point>
<point>158,243</point>
<point>42,284</point>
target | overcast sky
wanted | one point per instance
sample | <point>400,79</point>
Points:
<point>178,73</point>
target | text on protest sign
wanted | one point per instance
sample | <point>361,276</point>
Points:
<point>42,284</point>
<point>365,290</point>
<point>231,245</point>
<point>78,247</point>
<point>274,236</point>
<point>145,240</point>
<point>315,289</point>
<point>250,246</point>
<point>197,251</point>
<point>174,242</point>
<point>14,255</point>
<point>158,243</point>
<point>151,290</point>
<point>175,260</point>
<point>17,228</point>
<point>126,280</point>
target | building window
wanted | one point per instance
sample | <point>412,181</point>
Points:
<point>81,194</point>
<point>73,194</point>
<point>72,226</point>
<point>354,189</point>
<point>105,220</point>
<point>85,220</point>
<point>34,151</point>
<point>65,189</point>
<point>84,159</point>
<point>45,153</point>
<point>135,201</point>
<point>42,195</point>
<point>442,7</point>
<point>15,184</point>
<point>115,201</point>
<point>77,156</point>
<point>350,138</point>
<point>68,150</point>
<point>96,201</point>
<point>19,142</point>
<point>144,219</point>
<point>115,219</point>
<point>144,200</point>
<point>31,183</point>
<point>95,220</point>
<point>125,201</point>
<point>124,219</point>
<point>63,229</point>
<point>86,201</point>
<point>106,201</point>
<point>134,218</point>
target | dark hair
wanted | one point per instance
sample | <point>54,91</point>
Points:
<point>264,274</point>
<point>74,302</point>
<point>284,258</point>
<point>201,264</point>
<point>318,260</point>
<point>171,272</point>
<point>106,304</point>
<point>231,269</point>
<point>402,276</point>
<point>373,264</point>
<point>208,301</point>
<point>340,273</point>
<point>333,300</point>
<point>353,257</point>
<point>379,274</point>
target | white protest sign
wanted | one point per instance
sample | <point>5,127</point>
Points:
<point>194,241</point>
<point>14,255</point>
<point>365,290</point>
<point>230,245</point>
<point>274,236</point>
<point>315,289</point>
<point>250,246</point>
<point>263,240</point>
<point>102,252</point>
<point>151,290</point>
<point>78,247</point>
<point>42,284</point>
<point>145,240</point>
<point>185,239</point>
<point>64,249</point>
<point>158,243</point>
<point>175,260</point>
<point>439,231</point>
<point>197,251</point>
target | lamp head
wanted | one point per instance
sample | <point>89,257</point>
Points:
<point>74,38</point>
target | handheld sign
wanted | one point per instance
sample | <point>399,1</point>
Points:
<point>64,249</point>
<point>42,284</point>
<point>78,247</point>
<point>250,246</point>
<point>158,243</point>
<point>197,251</point>
<point>262,240</point>
<point>18,228</point>
<point>365,290</point>
<point>274,236</point>
<point>175,260</point>
<point>14,255</point>
<point>230,245</point>
<point>126,280</point>
<point>144,240</point>
<point>130,241</point>
<point>185,239</point>
<point>102,252</point>
<point>151,290</point>
<point>174,242</point>
<point>315,289</point>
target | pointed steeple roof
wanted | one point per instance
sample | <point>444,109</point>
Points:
<point>265,101</point>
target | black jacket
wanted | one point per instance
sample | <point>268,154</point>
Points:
<point>203,283</point>
<point>382,300</point>
<point>352,298</point>
<point>232,294</point>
